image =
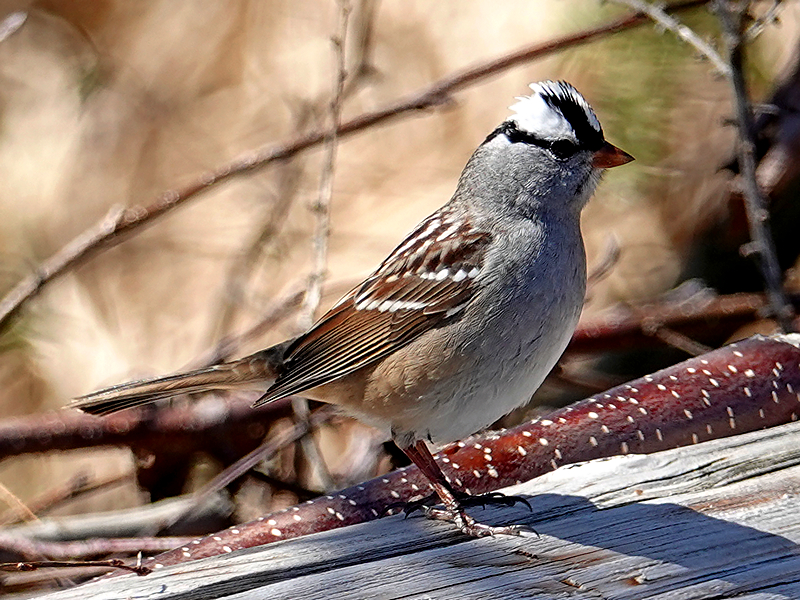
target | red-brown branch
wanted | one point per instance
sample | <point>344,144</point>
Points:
<point>739,388</point>
<point>711,320</point>
<point>180,428</point>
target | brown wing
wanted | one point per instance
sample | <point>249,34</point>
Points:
<point>426,281</point>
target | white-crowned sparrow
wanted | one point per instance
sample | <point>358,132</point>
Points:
<point>465,318</point>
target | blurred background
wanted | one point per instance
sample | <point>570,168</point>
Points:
<point>111,102</point>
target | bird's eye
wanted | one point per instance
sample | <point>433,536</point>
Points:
<point>563,148</point>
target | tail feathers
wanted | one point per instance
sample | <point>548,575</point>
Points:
<point>256,370</point>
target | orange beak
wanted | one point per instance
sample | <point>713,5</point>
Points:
<point>610,156</point>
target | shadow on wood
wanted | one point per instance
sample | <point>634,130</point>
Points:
<point>712,520</point>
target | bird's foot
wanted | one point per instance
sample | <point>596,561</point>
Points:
<point>464,499</point>
<point>473,528</point>
<point>454,512</point>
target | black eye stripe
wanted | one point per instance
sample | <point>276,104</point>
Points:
<point>560,148</point>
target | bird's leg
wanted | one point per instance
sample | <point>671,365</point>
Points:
<point>422,457</point>
<point>453,501</point>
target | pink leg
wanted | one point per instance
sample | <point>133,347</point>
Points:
<point>453,509</point>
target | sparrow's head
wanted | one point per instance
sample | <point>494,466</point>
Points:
<point>557,117</point>
<point>554,141</point>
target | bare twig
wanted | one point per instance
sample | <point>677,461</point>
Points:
<point>279,485</point>
<point>32,549</point>
<point>179,428</point>
<point>609,257</point>
<point>76,487</point>
<point>280,310</point>
<point>588,381</point>
<point>74,253</point>
<point>714,318</point>
<point>363,35</point>
<point>770,16</point>
<point>322,206</point>
<point>311,452</point>
<point>321,209</point>
<point>36,582</point>
<point>19,508</point>
<point>130,522</point>
<point>659,15</point>
<point>437,94</point>
<point>677,340</point>
<point>114,563</point>
<point>731,14</point>
<point>269,448</point>
<point>236,281</point>
<point>11,24</point>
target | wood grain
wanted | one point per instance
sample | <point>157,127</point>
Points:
<point>707,521</point>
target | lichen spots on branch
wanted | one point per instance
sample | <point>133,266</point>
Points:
<point>608,424</point>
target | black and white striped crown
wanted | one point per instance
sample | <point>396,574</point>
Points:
<point>557,111</point>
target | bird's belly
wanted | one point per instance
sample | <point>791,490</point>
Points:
<point>472,385</point>
<point>493,388</point>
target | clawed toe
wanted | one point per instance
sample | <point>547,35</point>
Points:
<point>412,506</point>
<point>453,502</point>
<point>455,513</point>
<point>473,528</point>
<point>490,498</point>
<point>482,500</point>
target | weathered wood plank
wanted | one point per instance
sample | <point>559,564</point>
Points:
<point>711,521</point>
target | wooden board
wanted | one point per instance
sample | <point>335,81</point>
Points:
<point>716,520</point>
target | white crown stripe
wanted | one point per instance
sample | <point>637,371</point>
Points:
<point>564,90</point>
<point>535,114</point>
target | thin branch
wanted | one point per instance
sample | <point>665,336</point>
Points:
<point>659,15</point>
<point>281,485</point>
<point>70,256</point>
<point>679,341</point>
<point>29,549</point>
<point>12,23</point>
<point>322,207</point>
<point>114,563</point>
<point>76,487</point>
<point>322,213</point>
<point>234,288</point>
<point>19,508</point>
<point>587,381</point>
<point>129,522</point>
<point>437,94</point>
<point>363,35</point>
<point>274,314</point>
<point>770,16</point>
<point>269,448</point>
<point>762,246</point>
<point>183,428</point>
<point>709,318</point>
<point>609,258</point>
